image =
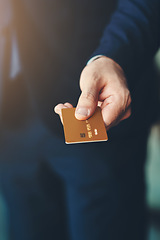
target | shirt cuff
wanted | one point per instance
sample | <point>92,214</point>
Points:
<point>94,58</point>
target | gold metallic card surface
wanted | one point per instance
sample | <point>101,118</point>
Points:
<point>81,131</point>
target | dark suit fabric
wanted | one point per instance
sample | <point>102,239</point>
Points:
<point>77,192</point>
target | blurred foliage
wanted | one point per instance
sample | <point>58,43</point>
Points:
<point>3,220</point>
<point>153,168</point>
<point>157,60</point>
<point>153,157</point>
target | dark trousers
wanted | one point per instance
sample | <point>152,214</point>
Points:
<point>72,192</point>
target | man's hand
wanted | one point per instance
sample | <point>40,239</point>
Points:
<point>102,83</point>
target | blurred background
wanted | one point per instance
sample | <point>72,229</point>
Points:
<point>11,137</point>
<point>152,170</point>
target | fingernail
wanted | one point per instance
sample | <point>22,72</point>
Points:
<point>82,111</point>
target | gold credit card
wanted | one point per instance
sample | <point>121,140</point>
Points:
<point>81,131</point>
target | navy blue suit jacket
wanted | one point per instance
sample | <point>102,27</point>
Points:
<point>133,34</point>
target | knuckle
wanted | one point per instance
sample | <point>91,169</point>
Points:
<point>128,95</point>
<point>124,98</point>
<point>129,100</point>
<point>129,112</point>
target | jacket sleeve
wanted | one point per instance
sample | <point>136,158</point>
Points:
<point>133,34</point>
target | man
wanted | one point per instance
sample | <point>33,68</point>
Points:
<point>92,191</point>
<point>131,39</point>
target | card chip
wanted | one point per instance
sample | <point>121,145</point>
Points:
<point>77,131</point>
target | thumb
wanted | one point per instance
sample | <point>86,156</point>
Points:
<point>87,103</point>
